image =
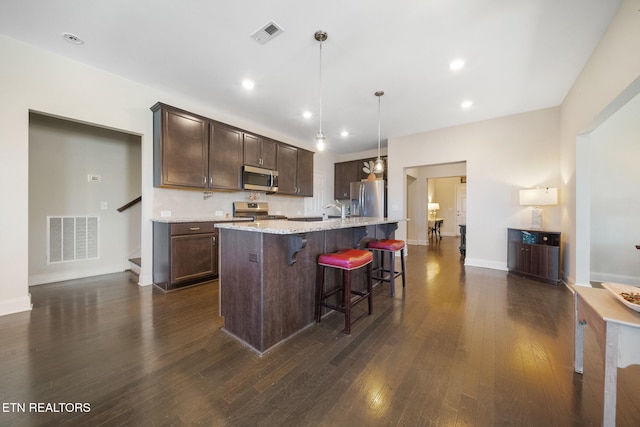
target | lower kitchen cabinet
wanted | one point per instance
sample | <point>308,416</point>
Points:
<point>534,254</point>
<point>184,254</point>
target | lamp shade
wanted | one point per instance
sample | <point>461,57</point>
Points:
<point>539,196</point>
<point>433,206</point>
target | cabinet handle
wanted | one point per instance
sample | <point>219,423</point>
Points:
<point>204,180</point>
<point>213,240</point>
<point>194,228</point>
<point>210,180</point>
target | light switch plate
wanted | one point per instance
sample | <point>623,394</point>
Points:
<point>219,213</point>
<point>165,214</point>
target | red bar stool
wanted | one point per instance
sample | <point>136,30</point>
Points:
<point>383,247</point>
<point>346,260</point>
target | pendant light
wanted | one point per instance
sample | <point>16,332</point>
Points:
<point>379,163</point>
<point>320,36</point>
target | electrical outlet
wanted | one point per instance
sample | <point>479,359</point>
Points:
<point>103,206</point>
<point>253,257</point>
<point>165,214</point>
<point>219,213</point>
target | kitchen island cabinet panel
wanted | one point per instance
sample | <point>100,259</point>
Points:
<point>268,273</point>
<point>241,264</point>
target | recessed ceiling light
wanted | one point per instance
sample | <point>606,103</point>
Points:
<point>344,133</point>
<point>456,64</point>
<point>72,38</point>
<point>248,84</point>
<point>466,104</point>
<point>307,114</point>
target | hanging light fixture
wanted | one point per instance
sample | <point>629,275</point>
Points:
<point>320,36</point>
<point>379,163</point>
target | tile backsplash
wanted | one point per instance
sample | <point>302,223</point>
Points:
<point>188,203</point>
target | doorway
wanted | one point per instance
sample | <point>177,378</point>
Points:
<point>433,183</point>
<point>79,175</point>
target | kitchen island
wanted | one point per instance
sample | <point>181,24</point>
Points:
<point>267,272</point>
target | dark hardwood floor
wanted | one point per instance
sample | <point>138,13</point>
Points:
<point>461,346</point>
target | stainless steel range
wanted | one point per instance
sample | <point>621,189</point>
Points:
<point>259,211</point>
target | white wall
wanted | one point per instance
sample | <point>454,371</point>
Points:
<point>613,66</point>
<point>615,197</point>
<point>35,80</point>
<point>61,155</point>
<point>502,156</point>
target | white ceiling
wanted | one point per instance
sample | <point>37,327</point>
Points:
<point>521,55</point>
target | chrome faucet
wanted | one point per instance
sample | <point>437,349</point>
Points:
<point>340,206</point>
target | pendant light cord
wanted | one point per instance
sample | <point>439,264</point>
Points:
<point>320,90</point>
<point>379,127</point>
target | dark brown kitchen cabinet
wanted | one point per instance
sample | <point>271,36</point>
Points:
<point>353,171</point>
<point>184,254</point>
<point>260,152</point>
<point>534,254</point>
<point>345,174</point>
<point>295,169</point>
<point>180,148</point>
<point>304,173</point>
<point>225,158</point>
<point>193,152</point>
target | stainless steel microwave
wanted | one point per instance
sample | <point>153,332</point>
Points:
<point>259,179</point>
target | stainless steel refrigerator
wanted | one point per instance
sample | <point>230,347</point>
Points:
<point>367,198</point>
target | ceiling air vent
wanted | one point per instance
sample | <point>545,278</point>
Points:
<point>268,32</point>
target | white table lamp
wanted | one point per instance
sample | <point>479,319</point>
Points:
<point>537,197</point>
<point>433,207</point>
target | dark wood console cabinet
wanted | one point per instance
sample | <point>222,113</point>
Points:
<point>534,254</point>
<point>184,254</point>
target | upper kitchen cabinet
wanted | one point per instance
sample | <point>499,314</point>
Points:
<point>260,152</point>
<point>190,151</point>
<point>295,169</point>
<point>345,174</point>
<point>353,171</point>
<point>225,158</point>
<point>180,148</point>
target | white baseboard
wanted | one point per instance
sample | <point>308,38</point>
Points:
<point>616,278</point>
<point>474,262</point>
<point>15,305</point>
<point>42,279</point>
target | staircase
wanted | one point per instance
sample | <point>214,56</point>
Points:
<point>135,263</point>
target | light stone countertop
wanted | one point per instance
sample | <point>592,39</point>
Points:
<point>297,227</point>
<point>176,220</point>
